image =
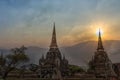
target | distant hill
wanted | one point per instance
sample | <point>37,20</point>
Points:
<point>79,54</point>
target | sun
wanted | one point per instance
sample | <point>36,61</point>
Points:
<point>99,30</point>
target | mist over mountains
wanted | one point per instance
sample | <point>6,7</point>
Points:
<point>78,54</point>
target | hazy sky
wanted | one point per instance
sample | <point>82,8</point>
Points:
<point>30,22</point>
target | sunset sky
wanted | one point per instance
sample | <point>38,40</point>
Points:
<point>30,22</point>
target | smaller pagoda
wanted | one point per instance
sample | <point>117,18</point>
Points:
<point>100,65</point>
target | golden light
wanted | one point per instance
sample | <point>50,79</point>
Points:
<point>104,29</point>
<point>99,30</point>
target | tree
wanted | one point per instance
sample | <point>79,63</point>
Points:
<point>75,69</point>
<point>13,60</point>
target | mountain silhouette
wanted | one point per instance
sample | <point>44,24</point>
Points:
<point>78,54</point>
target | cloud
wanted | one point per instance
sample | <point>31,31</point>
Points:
<point>33,19</point>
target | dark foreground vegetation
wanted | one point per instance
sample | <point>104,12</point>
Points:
<point>13,60</point>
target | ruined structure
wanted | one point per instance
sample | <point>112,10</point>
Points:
<point>53,65</point>
<point>100,65</point>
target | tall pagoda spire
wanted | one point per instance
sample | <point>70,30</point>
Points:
<point>100,45</point>
<point>54,41</point>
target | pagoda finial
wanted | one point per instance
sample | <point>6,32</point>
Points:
<point>53,42</point>
<point>100,45</point>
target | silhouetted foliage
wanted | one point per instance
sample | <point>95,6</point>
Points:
<point>75,69</point>
<point>13,60</point>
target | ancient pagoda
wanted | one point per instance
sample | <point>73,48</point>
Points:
<point>100,65</point>
<point>53,65</point>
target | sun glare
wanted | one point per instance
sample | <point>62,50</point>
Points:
<point>99,30</point>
